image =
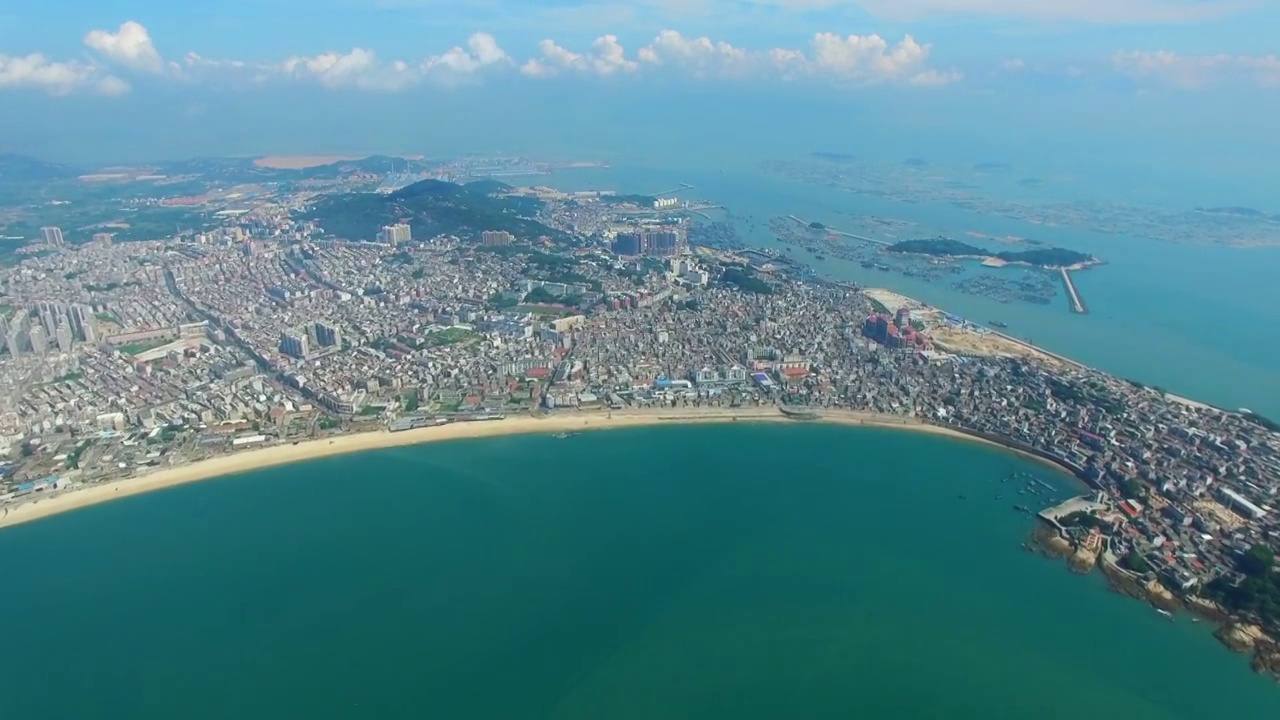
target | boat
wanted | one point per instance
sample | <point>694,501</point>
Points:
<point>997,324</point>
<point>1165,613</point>
<point>560,435</point>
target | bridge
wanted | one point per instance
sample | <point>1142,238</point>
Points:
<point>842,233</point>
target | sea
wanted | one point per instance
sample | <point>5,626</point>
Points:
<point>701,572</point>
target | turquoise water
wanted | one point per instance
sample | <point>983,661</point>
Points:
<point>655,573</point>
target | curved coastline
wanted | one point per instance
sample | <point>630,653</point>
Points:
<point>564,421</point>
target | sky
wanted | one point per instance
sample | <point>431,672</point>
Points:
<point>1150,79</point>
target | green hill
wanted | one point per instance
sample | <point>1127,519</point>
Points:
<point>946,247</point>
<point>24,168</point>
<point>431,208</point>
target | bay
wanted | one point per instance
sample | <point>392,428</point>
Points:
<point>735,571</point>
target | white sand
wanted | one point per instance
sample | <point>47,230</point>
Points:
<point>283,454</point>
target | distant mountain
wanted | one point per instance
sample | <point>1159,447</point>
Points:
<point>24,168</point>
<point>431,208</point>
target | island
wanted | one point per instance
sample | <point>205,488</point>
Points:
<point>1049,258</point>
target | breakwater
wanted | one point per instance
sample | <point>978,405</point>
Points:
<point>1073,296</point>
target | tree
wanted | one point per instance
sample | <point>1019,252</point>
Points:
<point>1258,561</point>
<point>1134,562</point>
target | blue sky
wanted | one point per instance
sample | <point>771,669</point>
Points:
<point>1169,67</point>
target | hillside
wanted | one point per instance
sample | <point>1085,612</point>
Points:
<point>430,207</point>
<point>24,168</point>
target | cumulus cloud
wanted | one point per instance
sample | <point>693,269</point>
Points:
<point>1119,12</point>
<point>606,57</point>
<point>860,59</point>
<point>361,69</point>
<point>129,50</point>
<point>700,56</point>
<point>130,46</point>
<point>36,72</point>
<point>1195,71</point>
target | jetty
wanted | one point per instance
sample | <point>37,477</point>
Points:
<point>1080,503</point>
<point>1073,297</point>
<point>683,187</point>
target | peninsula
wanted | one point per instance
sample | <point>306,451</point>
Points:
<point>314,324</point>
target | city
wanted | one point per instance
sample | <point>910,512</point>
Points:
<point>126,357</point>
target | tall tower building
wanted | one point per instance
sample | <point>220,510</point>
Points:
<point>328,335</point>
<point>295,344</point>
<point>395,234</point>
<point>36,337</point>
<point>52,236</point>
<point>63,336</point>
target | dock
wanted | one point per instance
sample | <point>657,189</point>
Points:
<point>1073,297</point>
<point>682,187</point>
<point>1080,503</point>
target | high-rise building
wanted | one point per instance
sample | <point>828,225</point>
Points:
<point>36,337</point>
<point>395,234</point>
<point>63,336</point>
<point>295,344</point>
<point>628,244</point>
<point>328,335</point>
<point>663,242</point>
<point>13,341</point>
<point>102,238</point>
<point>499,238</point>
<point>82,323</point>
<point>52,236</point>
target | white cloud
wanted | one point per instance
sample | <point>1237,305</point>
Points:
<point>361,69</point>
<point>699,56</point>
<point>130,47</point>
<point>855,59</point>
<point>1195,71</point>
<point>36,72</point>
<point>1090,11</point>
<point>111,85</point>
<point>860,59</point>
<point>606,57</point>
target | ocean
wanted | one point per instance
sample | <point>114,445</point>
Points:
<point>735,571</point>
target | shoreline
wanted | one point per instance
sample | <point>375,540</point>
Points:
<point>577,421</point>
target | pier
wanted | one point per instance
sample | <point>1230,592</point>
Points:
<point>1073,297</point>
<point>682,188</point>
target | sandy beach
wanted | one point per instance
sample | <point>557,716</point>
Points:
<point>284,454</point>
